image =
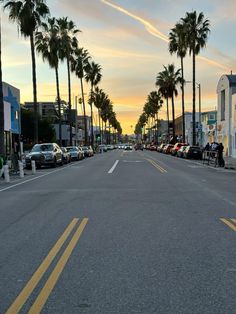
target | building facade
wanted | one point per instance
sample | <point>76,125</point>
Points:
<point>226,114</point>
<point>209,124</point>
<point>188,118</point>
<point>12,125</point>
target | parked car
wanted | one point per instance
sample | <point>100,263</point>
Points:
<point>128,147</point>
<point>102,148</point>
<point>88,151</point>
<point>110,147</point>
<point>176,147</point>
<point>65,155</point>
<point>194,152</point>
<point>74,152</point>
<point>81,153</point>
<point>44,154</point>
<point>160,148</point>
<point>153,147</point>
<point>167,148</point>
<point>180,152</point>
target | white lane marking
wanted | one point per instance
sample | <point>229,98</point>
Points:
<point>35,178</point>
<point>113,167</point>
<point>132,160</point>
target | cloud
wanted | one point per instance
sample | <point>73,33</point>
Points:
<point>155,32</point>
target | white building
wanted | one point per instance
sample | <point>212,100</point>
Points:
<point>226,116</point>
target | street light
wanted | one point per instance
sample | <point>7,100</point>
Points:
<point>200,111</point>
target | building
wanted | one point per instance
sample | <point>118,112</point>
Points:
<point>188,127</point>
<point>226,114</point>
<point>209,123</point>
<point>12,126</point>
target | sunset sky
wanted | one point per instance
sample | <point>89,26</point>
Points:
<point>128,38</point>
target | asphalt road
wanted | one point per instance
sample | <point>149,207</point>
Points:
<point>123,232</point>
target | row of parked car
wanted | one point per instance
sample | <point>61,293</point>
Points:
<point>179,149</point>
<point>52,154</point>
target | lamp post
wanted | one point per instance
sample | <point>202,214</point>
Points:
<point>200,111</point>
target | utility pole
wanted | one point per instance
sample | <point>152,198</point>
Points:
<point>2,151</point>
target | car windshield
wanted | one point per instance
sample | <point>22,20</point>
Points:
<point>42,148</point>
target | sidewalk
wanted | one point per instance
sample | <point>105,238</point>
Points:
<point>230,163</point>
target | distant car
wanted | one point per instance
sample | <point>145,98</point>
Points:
<point>44,154</point>
<point>110,147</point>
<point>65,155</point>
<point>161,147</point>
<point>138,146</point>
<point>128,147</point>
<point>81,153</point>
<point>176,147</point>
<point>74,152</point>
<point>194,152</point>
<point>180,152</point>
<point>102,148</point>
<point>153,147</point>
<point>88,151</point>
<point>167,148</point>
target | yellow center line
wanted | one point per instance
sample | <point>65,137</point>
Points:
<point>228,223</point>
<point>52,280</point>
<point>158,167</point>
<point>32,283</point>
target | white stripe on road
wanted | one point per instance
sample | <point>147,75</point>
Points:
<point>113,167</point>
<point>35,178</point>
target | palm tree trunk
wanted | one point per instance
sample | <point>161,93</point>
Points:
<point>36,135</point>
<point>194,99</point>
<point>69,98</point>
<point>183,109</point>
<point>58,104</point>
<point>99,123</point>
<point>84,110</point>
<point>168,117</point>
<point>2,151</point>
<point>173,116</point>
<point>91,105</point>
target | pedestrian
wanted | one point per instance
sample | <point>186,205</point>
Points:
<point>220,149</point>
<point>207,147</point>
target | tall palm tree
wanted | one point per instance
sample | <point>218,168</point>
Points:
<point>161,82</point>
<point>2,152</point>
<point>106,111</point>
<point>197,31</point>
<point>48,44</point>
<point>172,78</point>
<point>79,64</point>
<point>178,45</point>
<point>28,15</point>
<point>94,76</point>
<point>68,32</point>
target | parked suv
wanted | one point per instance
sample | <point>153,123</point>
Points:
<point>44,154</point>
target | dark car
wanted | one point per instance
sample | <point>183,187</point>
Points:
<point>194,152</point>
<point>65,155</point>
<point>88,151</point>
<point>138,146</point>
<point>44,154</point>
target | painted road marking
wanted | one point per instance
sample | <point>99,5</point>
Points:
<point>158,167</point>
<point>52,280</point>
<point>132,161</point>
<point>230,223</point>
<point>37,276</point>
<point>113,167</point>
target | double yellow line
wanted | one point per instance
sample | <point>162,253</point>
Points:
<point>231,222</point>
<point>158,167</point>
<point>53,278</point>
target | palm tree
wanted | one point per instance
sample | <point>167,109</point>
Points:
<point>178,45</point>
<point>68,32</point>
<point>197,31</point>
<point>28,14</point>
<point>2,152</point>
<point>106,111</point>
<point>48,44</point>
<point>79,64</point>
<point>94,76</point>
<point>161,82</point>
<point>155,102</point>
<point>169,79</point>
